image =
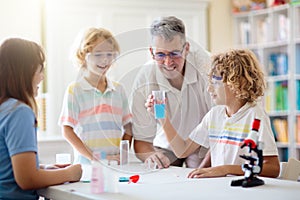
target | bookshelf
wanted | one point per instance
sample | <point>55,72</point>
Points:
<point>273,34</point>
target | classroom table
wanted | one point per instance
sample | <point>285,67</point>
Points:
<point>172,183</point>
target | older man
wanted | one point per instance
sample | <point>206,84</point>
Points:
<point>181,73</point>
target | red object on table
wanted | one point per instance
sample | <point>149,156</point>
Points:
<point>134,178</point>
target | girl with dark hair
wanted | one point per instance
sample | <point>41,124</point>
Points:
<point>21,71</point>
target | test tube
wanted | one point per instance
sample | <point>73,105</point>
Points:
<point>124,152</point>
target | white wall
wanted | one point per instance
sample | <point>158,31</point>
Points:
<point>220,25</point>
<point>20,18</point>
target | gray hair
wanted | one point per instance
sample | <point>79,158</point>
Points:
<point>168,27</point>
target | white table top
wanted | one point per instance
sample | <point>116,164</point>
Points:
<point>172,183</point>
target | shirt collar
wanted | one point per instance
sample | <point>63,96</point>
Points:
<point>191,71</point>
<point>241,111</point>
<point>85,85</point>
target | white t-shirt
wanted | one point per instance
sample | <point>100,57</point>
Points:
<point>224,135</point>
<point>186,107</point>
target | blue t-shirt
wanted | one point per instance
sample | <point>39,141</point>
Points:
<point>17,135</point>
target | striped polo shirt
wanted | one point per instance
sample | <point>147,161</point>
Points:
<point>97,118</point>
<point>224,135</point>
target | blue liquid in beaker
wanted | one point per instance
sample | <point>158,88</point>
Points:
<point>159,111</point>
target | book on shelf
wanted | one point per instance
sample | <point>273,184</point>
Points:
<point>276,96</point>
<point>273,128</point>
<point>278,64</point>
<point>294,2</point>
<point>280,129</point>
<point>269,99</point>
<point>298,95</point>
<point>245,32</point>
<point>281,96</point>
<point>283,27</point>
<point>262,30</point>
<point>283,154</point>
<point>298,54</point>
<point>298,130</point>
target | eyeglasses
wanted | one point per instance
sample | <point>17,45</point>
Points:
<point>216,81</point>
<point>160,56</point>
<point>103,55</point>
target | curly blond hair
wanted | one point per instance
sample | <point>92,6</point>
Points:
<point>241,71</point>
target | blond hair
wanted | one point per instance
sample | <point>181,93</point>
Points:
<point>91,38</point>
<point>241,71</point>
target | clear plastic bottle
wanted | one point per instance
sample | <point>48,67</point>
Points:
<point>110,179</point>
<point>97,177</point>
<point>124,152</point>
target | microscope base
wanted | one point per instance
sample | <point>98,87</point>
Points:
<point>247,183</point>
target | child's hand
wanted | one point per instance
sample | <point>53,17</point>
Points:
<point>113,158</point>
<point>75,172</point>
<point>54,166</point>
<point>209,172</point>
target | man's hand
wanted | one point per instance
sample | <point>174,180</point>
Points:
<point>160,159</point>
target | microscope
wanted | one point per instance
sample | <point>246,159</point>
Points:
<point>254,164</point>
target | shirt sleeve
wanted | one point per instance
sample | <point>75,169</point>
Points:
<point>200,134</point>
<point>70,108</point>
<point>21,131</point>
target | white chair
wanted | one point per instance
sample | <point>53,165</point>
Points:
<point>290,170</point>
